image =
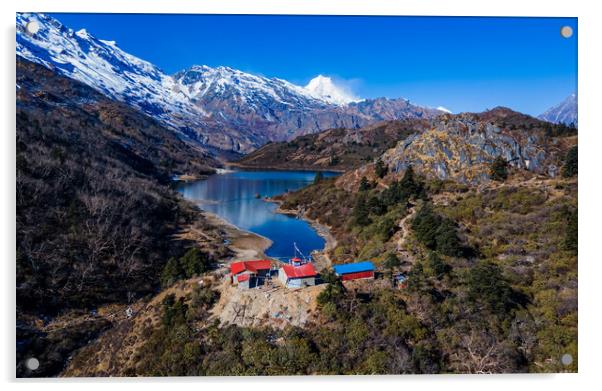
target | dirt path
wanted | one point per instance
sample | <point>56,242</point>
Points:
<point>404,254</point>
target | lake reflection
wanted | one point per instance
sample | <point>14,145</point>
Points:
<point>232,196</point>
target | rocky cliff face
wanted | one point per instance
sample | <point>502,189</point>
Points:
<point>461,147</point>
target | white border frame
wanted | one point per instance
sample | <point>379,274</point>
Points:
<point>590,64</point>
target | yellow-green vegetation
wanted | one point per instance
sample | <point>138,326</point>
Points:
<point>530,234</point>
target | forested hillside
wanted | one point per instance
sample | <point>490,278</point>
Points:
<point>95,211</point>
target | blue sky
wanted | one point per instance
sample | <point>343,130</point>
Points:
<point>464,64</point>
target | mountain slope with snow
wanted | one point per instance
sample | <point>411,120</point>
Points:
<point>220,107</point>
<point>565,112</point>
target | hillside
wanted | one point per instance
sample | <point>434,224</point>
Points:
<point>491,271</point>
<point>490,258</point>
<point>334,149</point>
<point>95,213</point>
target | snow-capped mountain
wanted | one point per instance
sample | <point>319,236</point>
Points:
<point>322,87</point>
<point>217,107</point>
<point>201,81</point>
<point>98,63</point>
<point>565,112</point>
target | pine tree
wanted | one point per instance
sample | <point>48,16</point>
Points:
<point>570,163</point>
<point>571,235</point>
<point>436,265</point>
<point>360,211</point>
<point>172,272</point>
<point>391,262</point>
<point>380,168</point>
<point>365,184</point>
<point>410,186</point>
<point>319,176</point>
<point>499,169</point>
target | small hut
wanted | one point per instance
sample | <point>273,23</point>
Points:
<point>298,276</point>
<point>354,271</point>
<point>249,274</point>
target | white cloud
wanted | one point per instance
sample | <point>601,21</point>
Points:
<point>336,92</point>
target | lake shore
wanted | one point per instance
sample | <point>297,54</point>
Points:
<point>244,244</point>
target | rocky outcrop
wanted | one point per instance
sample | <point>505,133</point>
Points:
<point>462,147</point>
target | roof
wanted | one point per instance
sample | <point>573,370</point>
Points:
<point>243,277</point>
<point>353,267</point>
<point>252,266</point>
<point>302,271</point>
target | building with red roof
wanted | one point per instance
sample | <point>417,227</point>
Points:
<point>298,276</point>
<point>248,274</point>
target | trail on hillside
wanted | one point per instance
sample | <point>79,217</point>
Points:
<point>405,233</point>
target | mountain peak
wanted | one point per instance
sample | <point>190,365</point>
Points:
<point>565,112</point>
<point>322,87</point>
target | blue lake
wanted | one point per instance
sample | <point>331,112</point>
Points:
<point>233,197</point>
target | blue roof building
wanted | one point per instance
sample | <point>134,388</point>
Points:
<point>354,271</point>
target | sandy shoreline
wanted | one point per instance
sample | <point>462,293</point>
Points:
<point>245,245</point>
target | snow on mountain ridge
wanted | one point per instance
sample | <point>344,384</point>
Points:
<point>101,65</point>
<point>199,80</point>
<point>565,112</point>
<point>218,107</point>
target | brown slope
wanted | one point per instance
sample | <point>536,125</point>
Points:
<point>334,149</point>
